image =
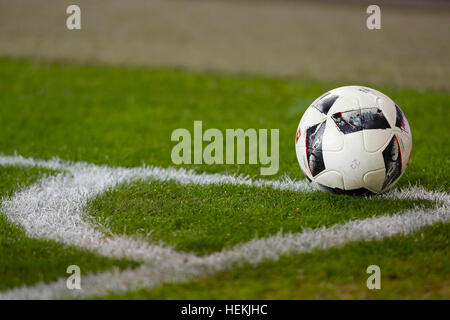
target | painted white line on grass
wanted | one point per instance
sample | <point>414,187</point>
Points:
<point>53,209</point>
<point>181,175</point>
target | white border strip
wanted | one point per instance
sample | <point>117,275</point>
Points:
<point>53,209</point>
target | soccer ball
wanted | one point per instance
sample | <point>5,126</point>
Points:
<point>353,140</point>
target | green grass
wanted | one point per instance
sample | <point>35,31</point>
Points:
<point>203,219</point>
<point>25,261</point>
<point>412,267</point>
<point>125,117</point>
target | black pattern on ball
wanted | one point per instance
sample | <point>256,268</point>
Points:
<point>392,161</point>
<point>324,103</point>
<point>400,121</point>
<point>357,120</point>
<point>314,154</point>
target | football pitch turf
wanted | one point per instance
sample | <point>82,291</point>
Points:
<point>124,117</point>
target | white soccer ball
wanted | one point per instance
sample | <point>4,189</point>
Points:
<point>353,140</point>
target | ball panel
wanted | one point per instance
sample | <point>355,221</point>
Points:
<point>300,149</point>
<point>311,117</point>
<point>324,104</point>
<point>331,179</point>
<point>344,103</point>
<point>314,153</point>
<point>392,161</point>
<point>403,133</point>
<point>372,98</point>
<point>405,142</point>
<point>333,140</point>
<point>376,140</point>
<point>374,180</point>
<point>360,119</point>
<point>353,161</point>
<point>400,120</point>
<point>301,157</point>
<point>367,98</point>
<point>348,121</point>
<point>321,97</point>
<point>388,107</point>
<point>373,118</point>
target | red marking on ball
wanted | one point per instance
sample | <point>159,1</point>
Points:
<point>297,136</point>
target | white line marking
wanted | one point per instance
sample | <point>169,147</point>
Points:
<point>53,209</point>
